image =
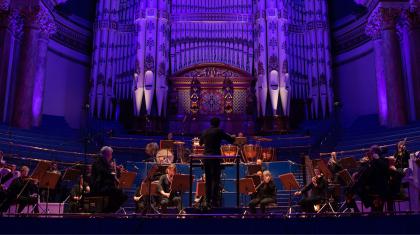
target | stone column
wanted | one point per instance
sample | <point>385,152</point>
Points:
<point>381,27</point>
<point>10,33</point>
<point>38,25</point>
<point>409,29</point>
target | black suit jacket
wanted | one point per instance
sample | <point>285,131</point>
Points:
<point>212,139</point>
<point>102,178</point>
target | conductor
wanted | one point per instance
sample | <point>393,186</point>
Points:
<point>211,139</point>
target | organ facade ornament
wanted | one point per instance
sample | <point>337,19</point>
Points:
<point>283,45</point>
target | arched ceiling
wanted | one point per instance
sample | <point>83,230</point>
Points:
<point>86,8</point>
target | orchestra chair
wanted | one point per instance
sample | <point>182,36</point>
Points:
<point>397,201</point>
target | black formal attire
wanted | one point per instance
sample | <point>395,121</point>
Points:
<point>402,159</point>
<point>23,192</point>
<point>104,183</point>
<point>212,139</point>
<point>174,198</point>
<point>318,194</point>
<point>77,191</point>
<point>266,194</point>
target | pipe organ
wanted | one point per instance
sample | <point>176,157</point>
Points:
<point>283,45</point>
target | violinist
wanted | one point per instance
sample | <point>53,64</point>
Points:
<point>265,194</point>
<point>23,190</point>
<point>318,187</point>
<point>168,197</point>
<point>105,181</point>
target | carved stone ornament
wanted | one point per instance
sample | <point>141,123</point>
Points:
<point>15,22</point>
<point>381,19</point>
<point>39,17</point>
<point>4,5</point>
<point>409,19</point>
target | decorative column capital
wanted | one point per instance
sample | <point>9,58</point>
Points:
<point>4,5</point>
<point>15,22</point>
<point>39,17</point>
<point>409,19</point>
<point>382,18</point>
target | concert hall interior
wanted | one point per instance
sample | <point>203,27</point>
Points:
<point>263,116</point>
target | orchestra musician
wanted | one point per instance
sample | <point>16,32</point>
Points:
<point>77,193</point>
<point>318,187</point>
<point>23,191</point>
<point>151,151</point>
<point>402,156</point>
<point>212,138</point>
<point>167,196</point>
<point>266,193</point>
<point>105,181</point>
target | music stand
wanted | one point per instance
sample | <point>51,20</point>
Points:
<point>240,141</point>
<point>127,179</point>
<point>348,163</point>
<point>255,178</point>
<point>290,183</point>
<point>201,189</point>
<point>323,168</point>
<point>246,186</point>
<point>345,177</point>
<point>181,183</point>
<point>166,144</point>
<point>151,174</point>
<point>40,169</point>
<point>149,189</point>
<point>71,174</point>
<point>49,181</point>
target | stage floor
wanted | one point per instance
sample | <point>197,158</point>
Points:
<point>212,224</point>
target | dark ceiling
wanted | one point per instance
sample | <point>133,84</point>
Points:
<point>86,8</point>
<point>343,8</point>
<point>82,8</point>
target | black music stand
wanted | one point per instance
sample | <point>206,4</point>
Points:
<point>201,189</point>
<point>71,174</point>
<point>348,163</point>
<point>323,168</point>
<point>255,178</point>
<point>290,183</point>
<point>155,170</point>
<point>181,184</point>
<point>241,141</point>
<point>49,181</point>
<point>126,182</point>
<point>203,157</point>
<point>40,169</point>
<point>246,186</point>
<point>149,189</point>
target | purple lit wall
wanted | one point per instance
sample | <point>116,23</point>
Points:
<point>66,87</point>
<point>356,83</point>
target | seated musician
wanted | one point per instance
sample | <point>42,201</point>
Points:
<point>168,197</point>
<point>77,193</point>
<point>105,181</point>
<point>3,169</point>
<point>319,187</point>
<point>402,156</point>
<point>266,193</point>
<point>151,151</point>
<point>22,191</point>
